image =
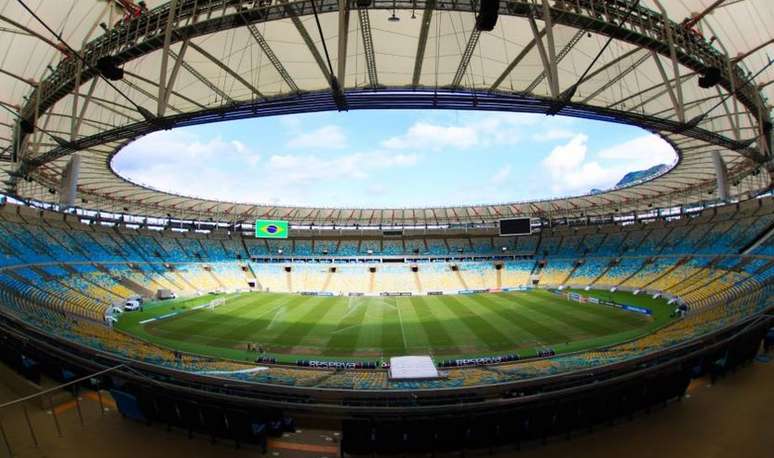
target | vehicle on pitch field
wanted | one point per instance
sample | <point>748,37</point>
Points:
<point>132,305</point>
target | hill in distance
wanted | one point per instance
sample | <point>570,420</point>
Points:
<point>631,177</point>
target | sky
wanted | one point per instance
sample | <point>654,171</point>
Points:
<point>391,158</point>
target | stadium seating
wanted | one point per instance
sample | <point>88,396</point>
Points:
<point>64,277</point>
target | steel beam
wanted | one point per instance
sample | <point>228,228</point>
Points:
<point>558,58</point>
<point>343,37</point>
<point>424,28</point>
<point>204,80</point>
<point>228,70</point>
<point>291,11</point>
<point>162,98</point>
<point>368,47</point>
<point>543,55</point>
<point>519,57</point>
<point>259,38</point>
<point>467,54</point>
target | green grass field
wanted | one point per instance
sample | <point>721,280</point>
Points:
<point>292,327</point>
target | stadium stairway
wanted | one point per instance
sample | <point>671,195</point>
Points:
<point>606,270</point>
<point>575,266</point>
<point>182,280</point>
<point>758,241</point>
<point>700,278</point>
<point>251,277</point>
<point>462,281</point>
<point>670,271</point>
<point>418,282</point>
<point>86,281</point>
<point>326,281</point>
<point>636,271</point>
<point>216,279</point>
<point>127,283</point>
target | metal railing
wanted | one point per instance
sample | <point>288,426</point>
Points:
<point>46,398</point>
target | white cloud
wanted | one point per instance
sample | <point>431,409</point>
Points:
<point>466,132</point>
<point>501,176</point>
<point>572,171</point>
<point>423,135</point>
<point>325,137</point>
<point>552,134</point>
<point>178,147</point>
<point>300,169</point>
<point>641,152</point>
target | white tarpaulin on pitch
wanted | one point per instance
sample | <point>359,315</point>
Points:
<point>412,367</point>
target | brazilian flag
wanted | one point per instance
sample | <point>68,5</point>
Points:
<point>271,229</point>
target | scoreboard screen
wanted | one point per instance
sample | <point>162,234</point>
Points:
<point>271,229</point>
<point>515,226</point>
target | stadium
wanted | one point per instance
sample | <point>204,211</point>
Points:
<point>415,329</point>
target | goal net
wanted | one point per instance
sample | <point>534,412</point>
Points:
<point>216,303</point>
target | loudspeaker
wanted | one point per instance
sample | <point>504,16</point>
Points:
<point>27,126</point>
<point>108,67</point>
<point>487,15</point>
<point>710,78</point>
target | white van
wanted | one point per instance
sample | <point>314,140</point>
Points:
<point>132,305</point>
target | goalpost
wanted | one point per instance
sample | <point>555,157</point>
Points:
<point>215,303</point>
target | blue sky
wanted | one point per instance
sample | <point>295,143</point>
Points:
<point>391,158</point>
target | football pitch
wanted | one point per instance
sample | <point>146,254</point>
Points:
<point>291,327</point>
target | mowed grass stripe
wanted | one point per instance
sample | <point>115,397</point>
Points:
<point>192,324</point>
<point>369,333</point>
<point>391,328</point>
<point>560,310</point>
<point>250,327</point>
<point>526,329</point>
<point>343,338</point>
<point>484,331</point>
<point>460,332</point>
<point>203,326</point>
<point>610,315</point>
<point>299,329</point>
<point>437,335</point>
<point>412,329</point>
<point>549,324</point>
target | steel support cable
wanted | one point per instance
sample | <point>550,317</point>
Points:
<point>338,95</point>
<point>566,96</point>
<point>145,113</point>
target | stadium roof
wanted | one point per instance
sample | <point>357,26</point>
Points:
<point>228,59</point>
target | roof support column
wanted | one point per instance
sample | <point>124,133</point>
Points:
<point>675,64</point>
<point>554,80</point>
<point>162,99</point>
<point>343,37</point>
<point>173,77</point>
<point>543,55</point>
<point>78,120</point>
<point>676,102</point>
<point>427,17</point>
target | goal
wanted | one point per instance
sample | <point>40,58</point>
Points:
<point>215,303</point>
